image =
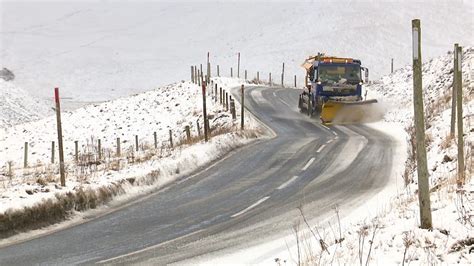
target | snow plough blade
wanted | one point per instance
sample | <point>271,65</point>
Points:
<point>347,112</point>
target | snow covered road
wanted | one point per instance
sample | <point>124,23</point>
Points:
<point>249,197</point>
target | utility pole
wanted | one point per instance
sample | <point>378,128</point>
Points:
<point>454,95</point>
<point>422,167</point>
<point>459,116</point>
<point>391,67</point>
<point>60,137</point>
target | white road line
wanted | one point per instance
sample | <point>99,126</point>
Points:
<point>325,127</point>
<point>284,185</point>
<point>335,133</point>
<point>147,248</point>
<point>308,164</point>
<point>250,207</point>
<point>274,94</point>
<point>329,141</point>
<point>321,148</point>
<point>336,137</point>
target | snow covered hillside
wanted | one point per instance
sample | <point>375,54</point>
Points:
<point>166,108</point>
<point>95,51</point>
<point>18,106</point>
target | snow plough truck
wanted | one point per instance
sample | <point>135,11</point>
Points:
<point>333,89</point>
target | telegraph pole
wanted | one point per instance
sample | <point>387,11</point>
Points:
<point>60,137</point>
<point>459,116</point>
<point>206,125</point>
<point>421,163</point>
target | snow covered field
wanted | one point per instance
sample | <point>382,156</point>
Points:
<point>102,50</point>
<point>166,108</point>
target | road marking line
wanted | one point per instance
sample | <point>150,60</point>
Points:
<point>274,94</point>
<point>250,207</point>
<point>335,133</point>
<point>308,164</point>
<point>147,248</point>
<point>336,137</point>
<point>284,185</point>
<point>321,148</point>
<point>325,127</point>
<point>329,141</point>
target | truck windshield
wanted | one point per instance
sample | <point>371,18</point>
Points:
<point>339,74</point>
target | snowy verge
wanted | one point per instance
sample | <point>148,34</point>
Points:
<point>25,193</point>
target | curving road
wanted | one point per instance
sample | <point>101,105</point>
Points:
<point>245,199</point>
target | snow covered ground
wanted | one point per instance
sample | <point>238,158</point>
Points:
<point>166,108</point>
<point>388,224</point>
<point>101,50</point>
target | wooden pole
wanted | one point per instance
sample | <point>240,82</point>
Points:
<point>422,167</point>
<point>232,108</point>
<point>25,157</point>
<point>218,72</point>
<point>60,137</point>
<point>136,142</point>
<point>52,152</point>
<point>171,138</point>
<point>238,66</point>
<point>195,74</point>
<point>270,79</point>
<point>283,75</point>
<point>215,98</point>
<point>231,73</point>
<point>199,78</point>
<point>188,133</point>
<point>258,77</point>
<point>99,149</point>
<point>454,95</point>
<point>155,139</point>
<point>118,153</point>
<point>246,74</point>
<point>76,151</point>
<point>226,101</point>
<point>391,67</point>
<point>242,108</point>
<point>204,110</point>
<point>295,81</point>
<point>192,74</point>
<point>461,178</point>
<point>198,127</point>
<point>220,95</point>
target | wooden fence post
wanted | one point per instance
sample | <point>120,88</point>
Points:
<point>226,101</point>
<point>218,72</point>
<point>238,66</point>
<point>391,67</point>
<point>192,74</point>
<point>171,138</point>
<point>242,108</point>
<point>295,81</point>
<point>25,157</point>
<point>60,138</point>
<point>188,133</point>
<point>220,95</point>
<point>246,74</point>
<point>118,153</point>
<point>199,78</point>
<point>231,73</point>
<point>232,108</point>
<point>215,98</point>
<point>76,151</point>
<point>99,149</point>
<point>461,179</point>
<point>422,167</point>
<point>283,75</point>
<point>198,128</point>
<point>258,77</point>
<point>136,142</point>
<point>195,74</point>
<point>204,110</point>
<point>270,79</point>
<point>52,152</point>
<point>155,140</point>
